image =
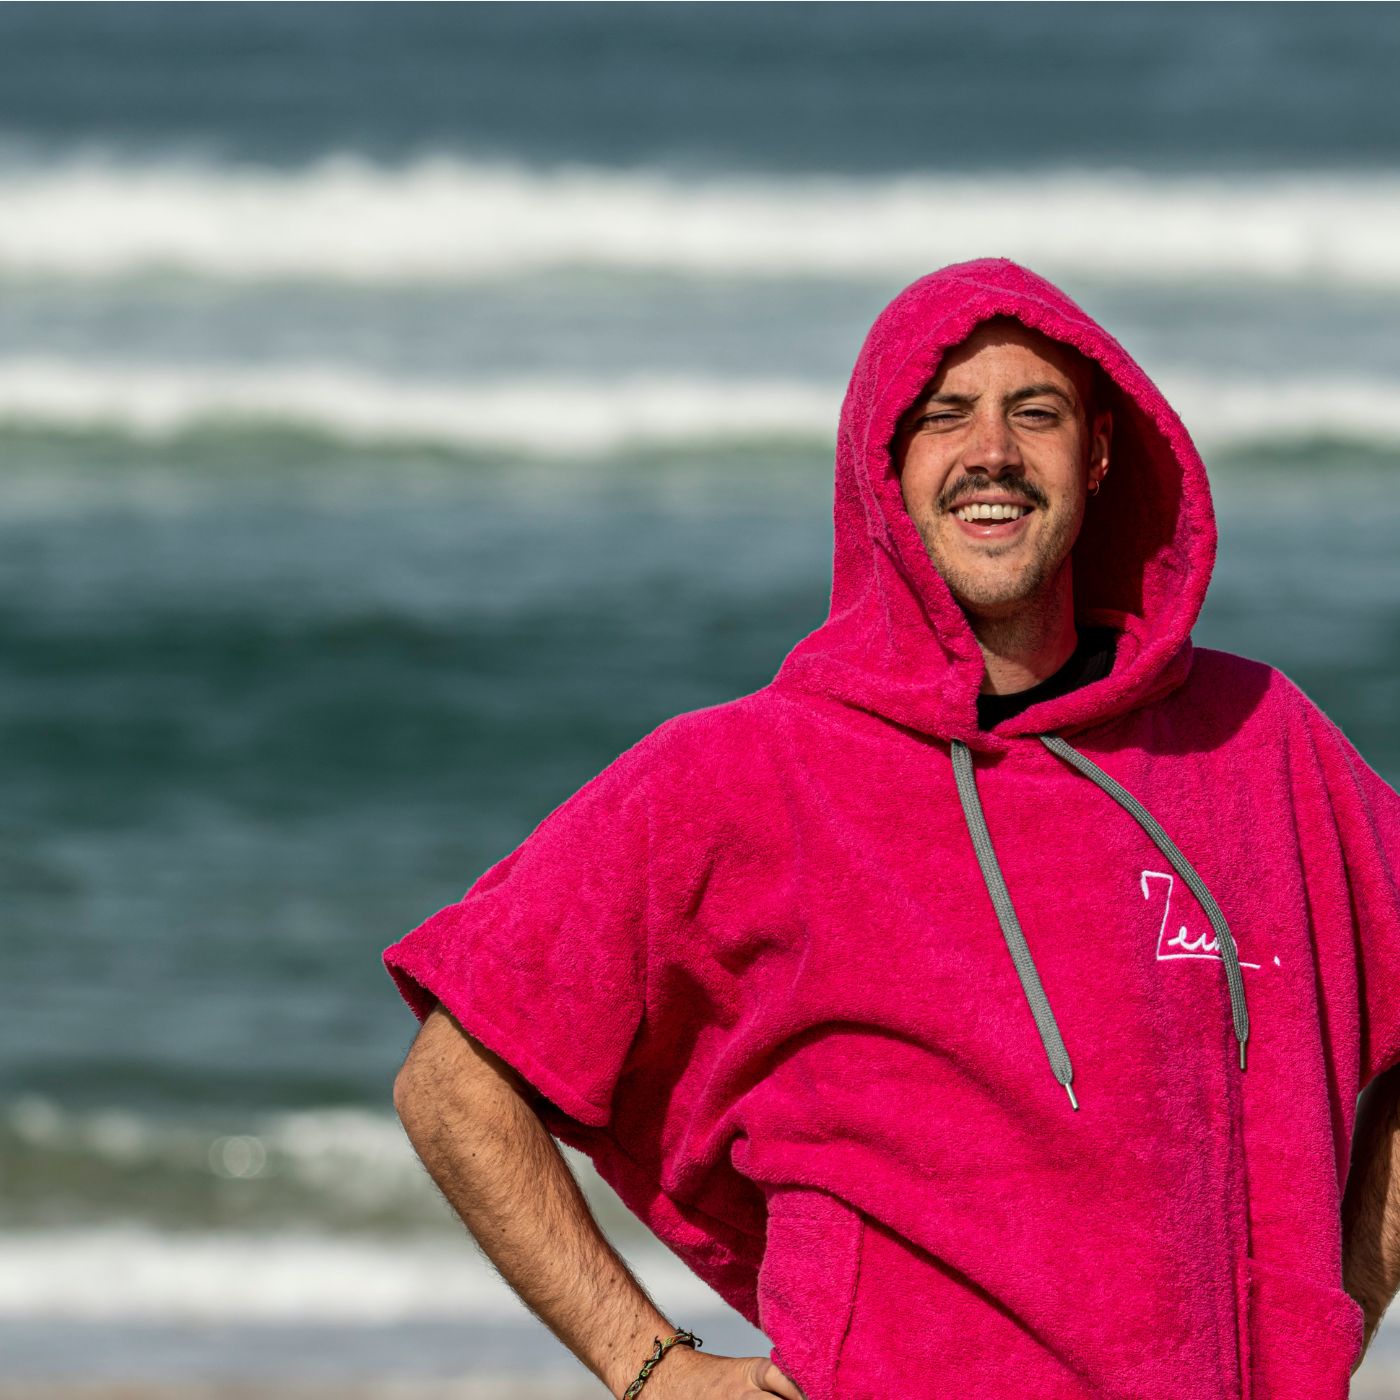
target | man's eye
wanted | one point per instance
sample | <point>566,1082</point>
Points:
<point>1043,415</point>
<point>938,419</point>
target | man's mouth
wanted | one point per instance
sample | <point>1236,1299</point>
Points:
<point>999,511</point>
<point>986,520</point>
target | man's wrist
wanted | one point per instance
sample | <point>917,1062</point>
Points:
<point>639,1351</point>
<point>671,1375</point>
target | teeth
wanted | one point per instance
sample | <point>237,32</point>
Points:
<point>989,512</point>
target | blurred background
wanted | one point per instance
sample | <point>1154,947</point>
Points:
<point>405,408</point>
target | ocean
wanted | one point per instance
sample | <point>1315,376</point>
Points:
<point>404,408</point>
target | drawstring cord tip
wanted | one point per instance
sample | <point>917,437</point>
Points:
<point>1242,1044</point>
<point>1074,1101</point>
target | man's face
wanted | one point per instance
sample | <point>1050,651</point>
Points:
<point>1005,419</point>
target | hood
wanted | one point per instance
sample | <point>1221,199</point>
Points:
<point>896,642</point>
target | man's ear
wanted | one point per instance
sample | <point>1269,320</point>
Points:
<point>1101,439</point>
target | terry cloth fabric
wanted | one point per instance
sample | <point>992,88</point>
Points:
<point>1091,659</point>
<point>817,976</point>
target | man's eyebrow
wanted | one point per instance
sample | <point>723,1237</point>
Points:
<point>1032,391</point>
<point>961,400</point>
<point>1028,391</point>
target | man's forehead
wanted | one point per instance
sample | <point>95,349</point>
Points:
<point>1007,332</point>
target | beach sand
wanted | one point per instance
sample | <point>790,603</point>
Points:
<point>473,1388</point>
<point>1382,1383</point>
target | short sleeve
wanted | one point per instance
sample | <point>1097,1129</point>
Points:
<point>544,958</point>
<point>1366,811</point>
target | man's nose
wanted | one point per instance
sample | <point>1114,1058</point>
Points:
<point>992,444</point>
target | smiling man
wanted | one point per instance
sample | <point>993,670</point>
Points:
<point>997,461</point>
<point>982,1006</point>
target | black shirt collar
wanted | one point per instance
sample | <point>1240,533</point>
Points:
<point>1091,660</point>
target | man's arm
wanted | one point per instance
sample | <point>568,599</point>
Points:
<point>1371,1205</point>
<point>468,1115</point>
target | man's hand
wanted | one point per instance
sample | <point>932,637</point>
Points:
<point>703,1376</point>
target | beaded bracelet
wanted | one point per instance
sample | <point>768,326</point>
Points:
<point>686,1338</point>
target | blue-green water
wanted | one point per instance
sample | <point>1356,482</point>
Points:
<point>402,410</point>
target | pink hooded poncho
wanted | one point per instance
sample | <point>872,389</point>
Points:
<point>925,1045</point>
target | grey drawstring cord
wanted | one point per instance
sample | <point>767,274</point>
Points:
<point>1183,867</point>
<point>965,777</point>
<point>1006,915</point>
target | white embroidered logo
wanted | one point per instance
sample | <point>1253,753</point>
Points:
<point>1179,943</point>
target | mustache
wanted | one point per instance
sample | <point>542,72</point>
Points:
<point>969,487</point>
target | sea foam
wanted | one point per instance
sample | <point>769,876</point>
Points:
<point>128,1271</point>
<point>448,219</point>
<point>575,416</point>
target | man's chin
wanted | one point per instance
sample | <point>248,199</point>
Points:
<point>991,598</point>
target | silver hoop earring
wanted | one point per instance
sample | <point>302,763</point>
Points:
<point>1094,487</point>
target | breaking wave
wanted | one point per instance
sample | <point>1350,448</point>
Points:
<point>446,219</point>
<point>567,416</point>
<point>136,1272</point>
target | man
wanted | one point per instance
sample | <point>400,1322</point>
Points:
<point>907,999</point>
